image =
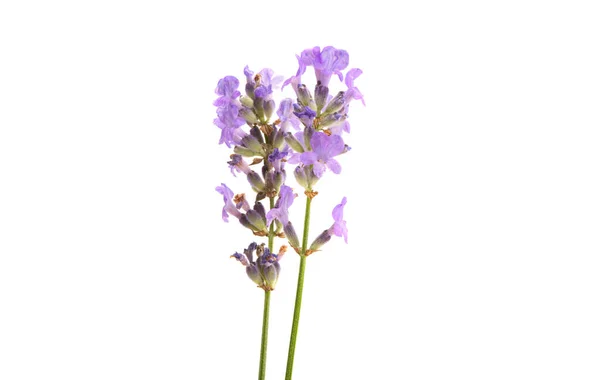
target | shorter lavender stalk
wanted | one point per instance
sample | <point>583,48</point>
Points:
<point>299,290</point>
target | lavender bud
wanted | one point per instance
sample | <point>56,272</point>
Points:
<point>246,101</point>
<point>246,223</point>
<point>321,93</point>
<point>293,143</point>
<point>335,104</point>
<point>248,115</point>
<point>304,96</point>
<point>278,138</point>
<point>256,220</point>
<point>250,90</point>
<point>278,179</point>
<point>270,273</point>
<point>331,120</point>
<point>269,108</point>
<point>258,207</point>
<point>255,131</point>
<point>252,143</point>
<point>243,151</point>
<point>308,133</point>
<point>256,181</point>
<point>323,238</point>
<point>290,234</point>
<point>301,178</point>
<point>254,274</point>
<point>259,108</point>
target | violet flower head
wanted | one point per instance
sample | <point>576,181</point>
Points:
<point>229,208</point>
<point>353,92</point>
<point>287,117</point>
<point>338,228</point>
<point>228,108</point>
<point>280,211</point>
<point>326,62</point>
<point>339,224</point>
<point>324,148</point>
<point>227,89</point>
<point>295,80</point>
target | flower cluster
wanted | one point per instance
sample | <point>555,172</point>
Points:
<point>265,270</point>
<point>307,133</point>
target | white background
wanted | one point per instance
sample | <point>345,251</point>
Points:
<point>473,193</point>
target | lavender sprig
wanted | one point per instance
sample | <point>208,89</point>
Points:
<point>307,134</point>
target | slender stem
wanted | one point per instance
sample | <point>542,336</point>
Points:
<point>262,366</point>
<point>299,289</point>
<point>265,337</point>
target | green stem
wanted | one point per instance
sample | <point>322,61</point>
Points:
<point>265,324</point>
<point>299,289</point>
<point>265,337</point>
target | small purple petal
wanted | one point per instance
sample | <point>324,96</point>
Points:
<point>241,258</point>
<point>334,166</point>
<point>319,169</point>
<point>308,158</point>
<point>339,226</point>
<point>338,211</point>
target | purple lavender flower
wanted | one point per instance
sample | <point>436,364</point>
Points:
<point>327,62</point>
<point>259,88</point>
<point>238,164</point>
<point>324,148</point>
<point>227,89</point>
<point>295,80</point>
<point>353,92</point>
<point>338,228</point>
<point>228,107</point>
<point>229,208</point>
<point>263,82</point>
<point>280,211</point>
<point>286,116</point>
<point>339,224</point>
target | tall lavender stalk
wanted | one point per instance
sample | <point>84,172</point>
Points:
<point>307,133</point>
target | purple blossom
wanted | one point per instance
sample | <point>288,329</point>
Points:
<point>227,89</point>
<point>324,148</point>
<point>296,79</point>
<point>339,224</point>
<point>353,92</point>
<point>338,228</point>
<point>263,82</point>
<point>228,120</point>
<point>228,108</point>
<point>286,115</point>
<point>280,211</point>
<point>327,62</point>
<point>229,208</point>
